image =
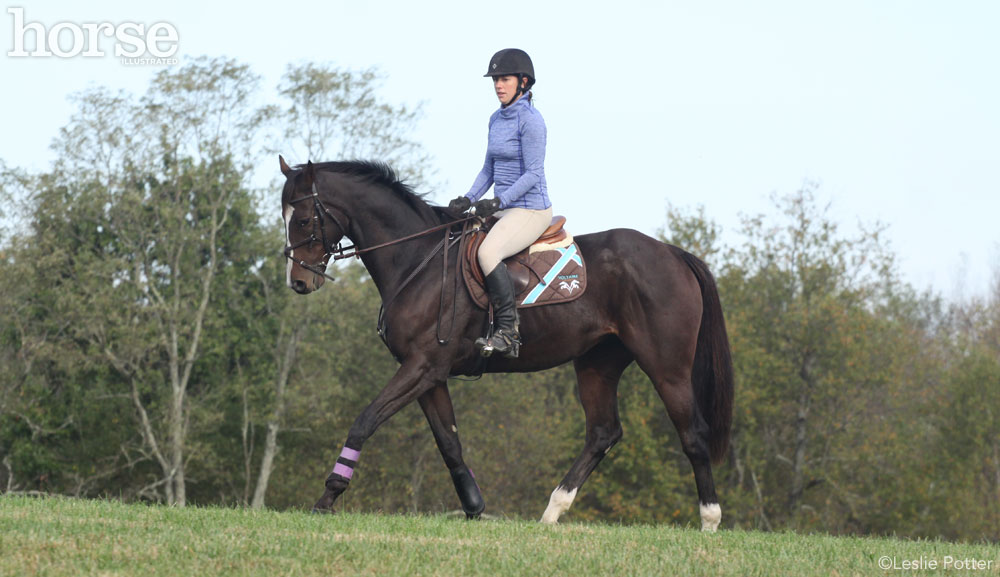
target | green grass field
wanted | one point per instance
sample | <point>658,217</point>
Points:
<point>57,536</point>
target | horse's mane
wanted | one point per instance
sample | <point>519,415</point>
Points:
<point>383,174</point>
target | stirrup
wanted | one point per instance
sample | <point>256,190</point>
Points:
<point>508,343</point>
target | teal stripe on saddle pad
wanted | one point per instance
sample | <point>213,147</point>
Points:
<point>569,253</point>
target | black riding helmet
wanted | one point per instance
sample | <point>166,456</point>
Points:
<point>512,62</point>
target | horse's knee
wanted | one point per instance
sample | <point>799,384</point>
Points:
<point>602,438</point>
<point>695,446</point>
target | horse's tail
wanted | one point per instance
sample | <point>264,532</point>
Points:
<point>712,375</point>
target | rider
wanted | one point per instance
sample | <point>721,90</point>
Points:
<point>515,159</point>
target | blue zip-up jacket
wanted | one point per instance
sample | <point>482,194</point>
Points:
<point>515,158</point>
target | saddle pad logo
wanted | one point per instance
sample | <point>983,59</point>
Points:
<point>569,287</point>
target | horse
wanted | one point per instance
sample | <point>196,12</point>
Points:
<point>647,302</point>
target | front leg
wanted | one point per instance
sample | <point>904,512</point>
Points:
<point>440,414</point>
<point>410,381</point>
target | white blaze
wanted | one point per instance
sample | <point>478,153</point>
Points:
<point>711,516</point>
<point>288,223</point>
<point>559,503</point>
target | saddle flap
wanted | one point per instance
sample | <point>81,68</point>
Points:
<point>520,275</point>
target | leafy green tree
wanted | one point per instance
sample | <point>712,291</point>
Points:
<point>804,305</point>
<point>966,472</point>
<point>138,218</point>
<point>56,434</point>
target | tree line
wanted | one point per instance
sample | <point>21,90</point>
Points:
<point>151,351</point>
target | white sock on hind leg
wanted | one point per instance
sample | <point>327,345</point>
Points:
<point>559,503</point>
<point>711,516</point>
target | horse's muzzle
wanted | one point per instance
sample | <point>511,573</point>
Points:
<point>301,287</point>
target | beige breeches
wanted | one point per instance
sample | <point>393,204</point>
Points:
<point>516,230</point>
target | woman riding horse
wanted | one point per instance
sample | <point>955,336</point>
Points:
<point>515,166</point>
<point>647,303</point>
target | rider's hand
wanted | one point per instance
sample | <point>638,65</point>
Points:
<point>459,205</point>
<point>486,207</point>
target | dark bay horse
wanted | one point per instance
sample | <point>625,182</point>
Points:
<point>647,302</point>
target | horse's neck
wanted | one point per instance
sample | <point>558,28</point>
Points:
<point>390,265</point>
<point>377,222</point>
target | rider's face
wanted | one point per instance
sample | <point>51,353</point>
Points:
<point>505,88</point>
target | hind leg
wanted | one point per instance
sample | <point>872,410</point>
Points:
<point>678,396</point>
<point>597,374</point>
<point>440,414</point>
<point>668,362</point>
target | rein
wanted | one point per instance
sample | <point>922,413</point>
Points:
<point>341,252</point>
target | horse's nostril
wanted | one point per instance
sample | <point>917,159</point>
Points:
<point>299,286</point>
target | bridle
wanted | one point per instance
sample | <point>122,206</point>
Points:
<point>338,252</point>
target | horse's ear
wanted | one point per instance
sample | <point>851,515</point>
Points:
<point>285,169</point>
<point>309,173</point>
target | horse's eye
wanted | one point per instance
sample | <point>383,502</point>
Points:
<point>304,222</point>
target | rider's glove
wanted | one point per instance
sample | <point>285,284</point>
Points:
<point>459,205</point>
<point>486,207</point>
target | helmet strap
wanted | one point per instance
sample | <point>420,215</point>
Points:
<point>520,90</point>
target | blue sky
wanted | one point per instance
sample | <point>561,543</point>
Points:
<point>891,106</point>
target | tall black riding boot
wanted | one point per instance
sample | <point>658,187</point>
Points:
<point>505,338</point>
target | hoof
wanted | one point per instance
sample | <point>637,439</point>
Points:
<point>325,503</point>
<point>317,511</point>
<point>468,492</point>
<point>711,516</point>
<point>473,516</point>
